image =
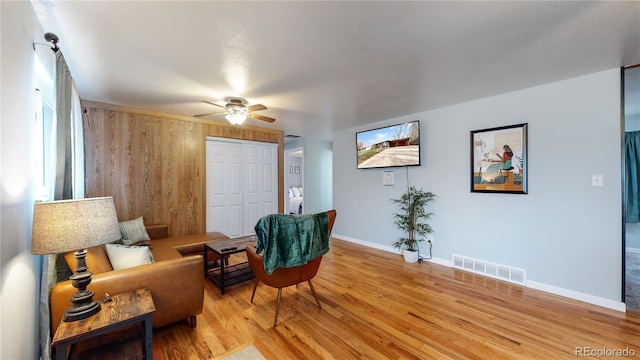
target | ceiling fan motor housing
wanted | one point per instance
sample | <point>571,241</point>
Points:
<point>235,106</point>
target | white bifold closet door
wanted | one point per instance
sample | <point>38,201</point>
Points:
<point>242,184</point>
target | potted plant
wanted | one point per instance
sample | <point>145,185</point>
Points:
<point>517,178</point>
<point>412,205</point>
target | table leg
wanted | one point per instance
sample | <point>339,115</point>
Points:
<point>222,274</point>
<point>206,262</point>
<point>61,351</point>
<point>147,340</point>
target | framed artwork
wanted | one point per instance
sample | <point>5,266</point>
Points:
<point>290,169</point>
<point>499,159</point>
<point>297,169</point>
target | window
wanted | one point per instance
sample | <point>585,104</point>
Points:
<point>44,118</point>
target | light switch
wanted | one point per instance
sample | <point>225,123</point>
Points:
<point>388,178</point>
<point>596,180</point>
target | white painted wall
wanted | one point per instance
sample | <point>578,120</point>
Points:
<point>565,233</point>
<point>293,178</point>
<point>318,165</point>
<point>632,123</point>
<point>19,295</point>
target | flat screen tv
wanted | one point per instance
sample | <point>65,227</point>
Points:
<point>389,146</point>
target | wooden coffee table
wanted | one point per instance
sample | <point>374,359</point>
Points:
<point>227,275</point>
<point>125,309</point>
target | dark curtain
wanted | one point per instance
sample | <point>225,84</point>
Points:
<point>64,107</point>
<point>632,176</point>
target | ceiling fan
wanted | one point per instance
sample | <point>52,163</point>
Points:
<point>236,111</point>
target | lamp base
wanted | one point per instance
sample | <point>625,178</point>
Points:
<point>74,313</point>
<point>82,303</point>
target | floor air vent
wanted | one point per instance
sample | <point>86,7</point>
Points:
<point>501,272</point>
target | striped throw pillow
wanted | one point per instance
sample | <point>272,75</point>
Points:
<point>133,231</point>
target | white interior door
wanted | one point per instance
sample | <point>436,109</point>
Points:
<point>242,185</point>
<point>224,188</point>
<point>261,183</point>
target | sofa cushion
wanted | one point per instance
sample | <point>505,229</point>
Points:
<point>122,257</point>
<point>133,231</point>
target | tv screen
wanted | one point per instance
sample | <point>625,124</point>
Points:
<point>389,146</point>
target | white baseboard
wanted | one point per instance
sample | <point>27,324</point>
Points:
<point>365,243</point>
<point>387,249</point>
<point>571,294</point>
<point>440,261</point>
<point>588,298</point>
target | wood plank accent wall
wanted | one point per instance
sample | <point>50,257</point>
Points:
<point>154,164</point>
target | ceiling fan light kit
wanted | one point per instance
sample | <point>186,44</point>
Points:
<point>236,118</point>
<point>236,112</point>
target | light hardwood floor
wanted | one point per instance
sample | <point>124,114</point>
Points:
<point>376,306</point>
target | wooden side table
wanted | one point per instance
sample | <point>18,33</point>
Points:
<point>125,309</point>
<point>228,275</point>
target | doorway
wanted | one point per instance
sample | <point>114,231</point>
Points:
<point>631,215</point>
<point>294,184</point>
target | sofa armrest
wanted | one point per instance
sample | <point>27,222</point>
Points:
<point>176,285</point>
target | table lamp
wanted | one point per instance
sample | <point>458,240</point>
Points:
<point>66,225</point>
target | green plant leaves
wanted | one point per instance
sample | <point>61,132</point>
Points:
<point>410,218</point>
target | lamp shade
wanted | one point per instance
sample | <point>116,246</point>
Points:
<point>66,225</point>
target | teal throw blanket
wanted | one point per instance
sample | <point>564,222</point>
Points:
<point>291,240</point>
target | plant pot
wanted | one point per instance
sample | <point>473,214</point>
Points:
<point>410,256</point>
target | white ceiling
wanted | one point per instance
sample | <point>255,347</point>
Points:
<point>320,67</point>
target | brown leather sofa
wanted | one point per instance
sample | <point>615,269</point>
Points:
<point>175,278</point>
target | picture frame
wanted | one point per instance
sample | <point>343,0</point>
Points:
<point>290,169</point>
<point>499,159</point>
<point>297,169</point>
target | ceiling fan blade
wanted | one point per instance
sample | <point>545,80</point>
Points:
<point>256,107</point>
<point>212,103</point>
<point>263,118</point>
<point>207,114</point>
